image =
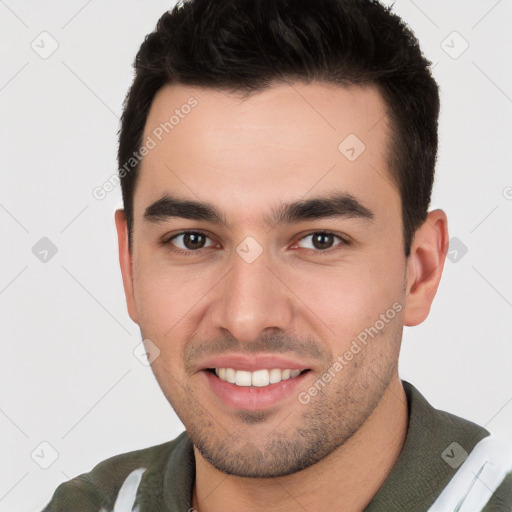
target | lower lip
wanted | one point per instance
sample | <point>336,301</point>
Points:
<point>253,398</point>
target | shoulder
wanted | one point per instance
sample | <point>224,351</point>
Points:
<point>443,464</point>
<point>435,423</point>
<point>97,490</point>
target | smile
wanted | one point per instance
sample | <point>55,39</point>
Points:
<point>258,378</point>
<point>254,390</point>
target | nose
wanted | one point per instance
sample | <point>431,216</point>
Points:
<point>251,298</point>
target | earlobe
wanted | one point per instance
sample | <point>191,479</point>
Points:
<point>425,266</point>
<point>125,262</point>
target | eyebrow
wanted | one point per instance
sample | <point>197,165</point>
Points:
<point>333,205</point>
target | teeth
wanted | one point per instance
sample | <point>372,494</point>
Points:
<point>242,378</point>
<point>275,376</point>
<point>259,378</point>
<point>230,375</point>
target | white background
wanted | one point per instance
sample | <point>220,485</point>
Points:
<point>68,374</point>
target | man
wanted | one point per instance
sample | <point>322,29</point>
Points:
<point>276,161</point>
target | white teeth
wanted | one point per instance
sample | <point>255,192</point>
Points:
<point>242,378</point>
<point>230,375</point>
<point>259,378</point>
<point>275,376</point>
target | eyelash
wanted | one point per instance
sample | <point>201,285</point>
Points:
<point>167,242</point>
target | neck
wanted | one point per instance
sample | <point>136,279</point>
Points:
<point>351,475</point>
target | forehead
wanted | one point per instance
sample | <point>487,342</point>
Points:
<point>284,142</point>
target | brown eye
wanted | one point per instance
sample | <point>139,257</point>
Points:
<point>320,241</point>
<point>191,241</point>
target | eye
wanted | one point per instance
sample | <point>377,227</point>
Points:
<point>321,241</point>
<point>189,242</point>
<point>193,242</point>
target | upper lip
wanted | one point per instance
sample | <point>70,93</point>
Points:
<point>252,363</point>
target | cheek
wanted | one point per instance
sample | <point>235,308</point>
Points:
<point>162,318</point>
<point>170,301</point>
<point>159,288</point>
<point>160,302</point>
<point>349,298</point>
<point>152,296</point>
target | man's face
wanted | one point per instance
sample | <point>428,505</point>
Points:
<point>251,294</point>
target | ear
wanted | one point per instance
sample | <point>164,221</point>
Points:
<point>125,261</point>
<point>425,266</point>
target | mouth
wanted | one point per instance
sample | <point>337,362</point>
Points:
<point>254,390</point>
<point>259,378</point>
